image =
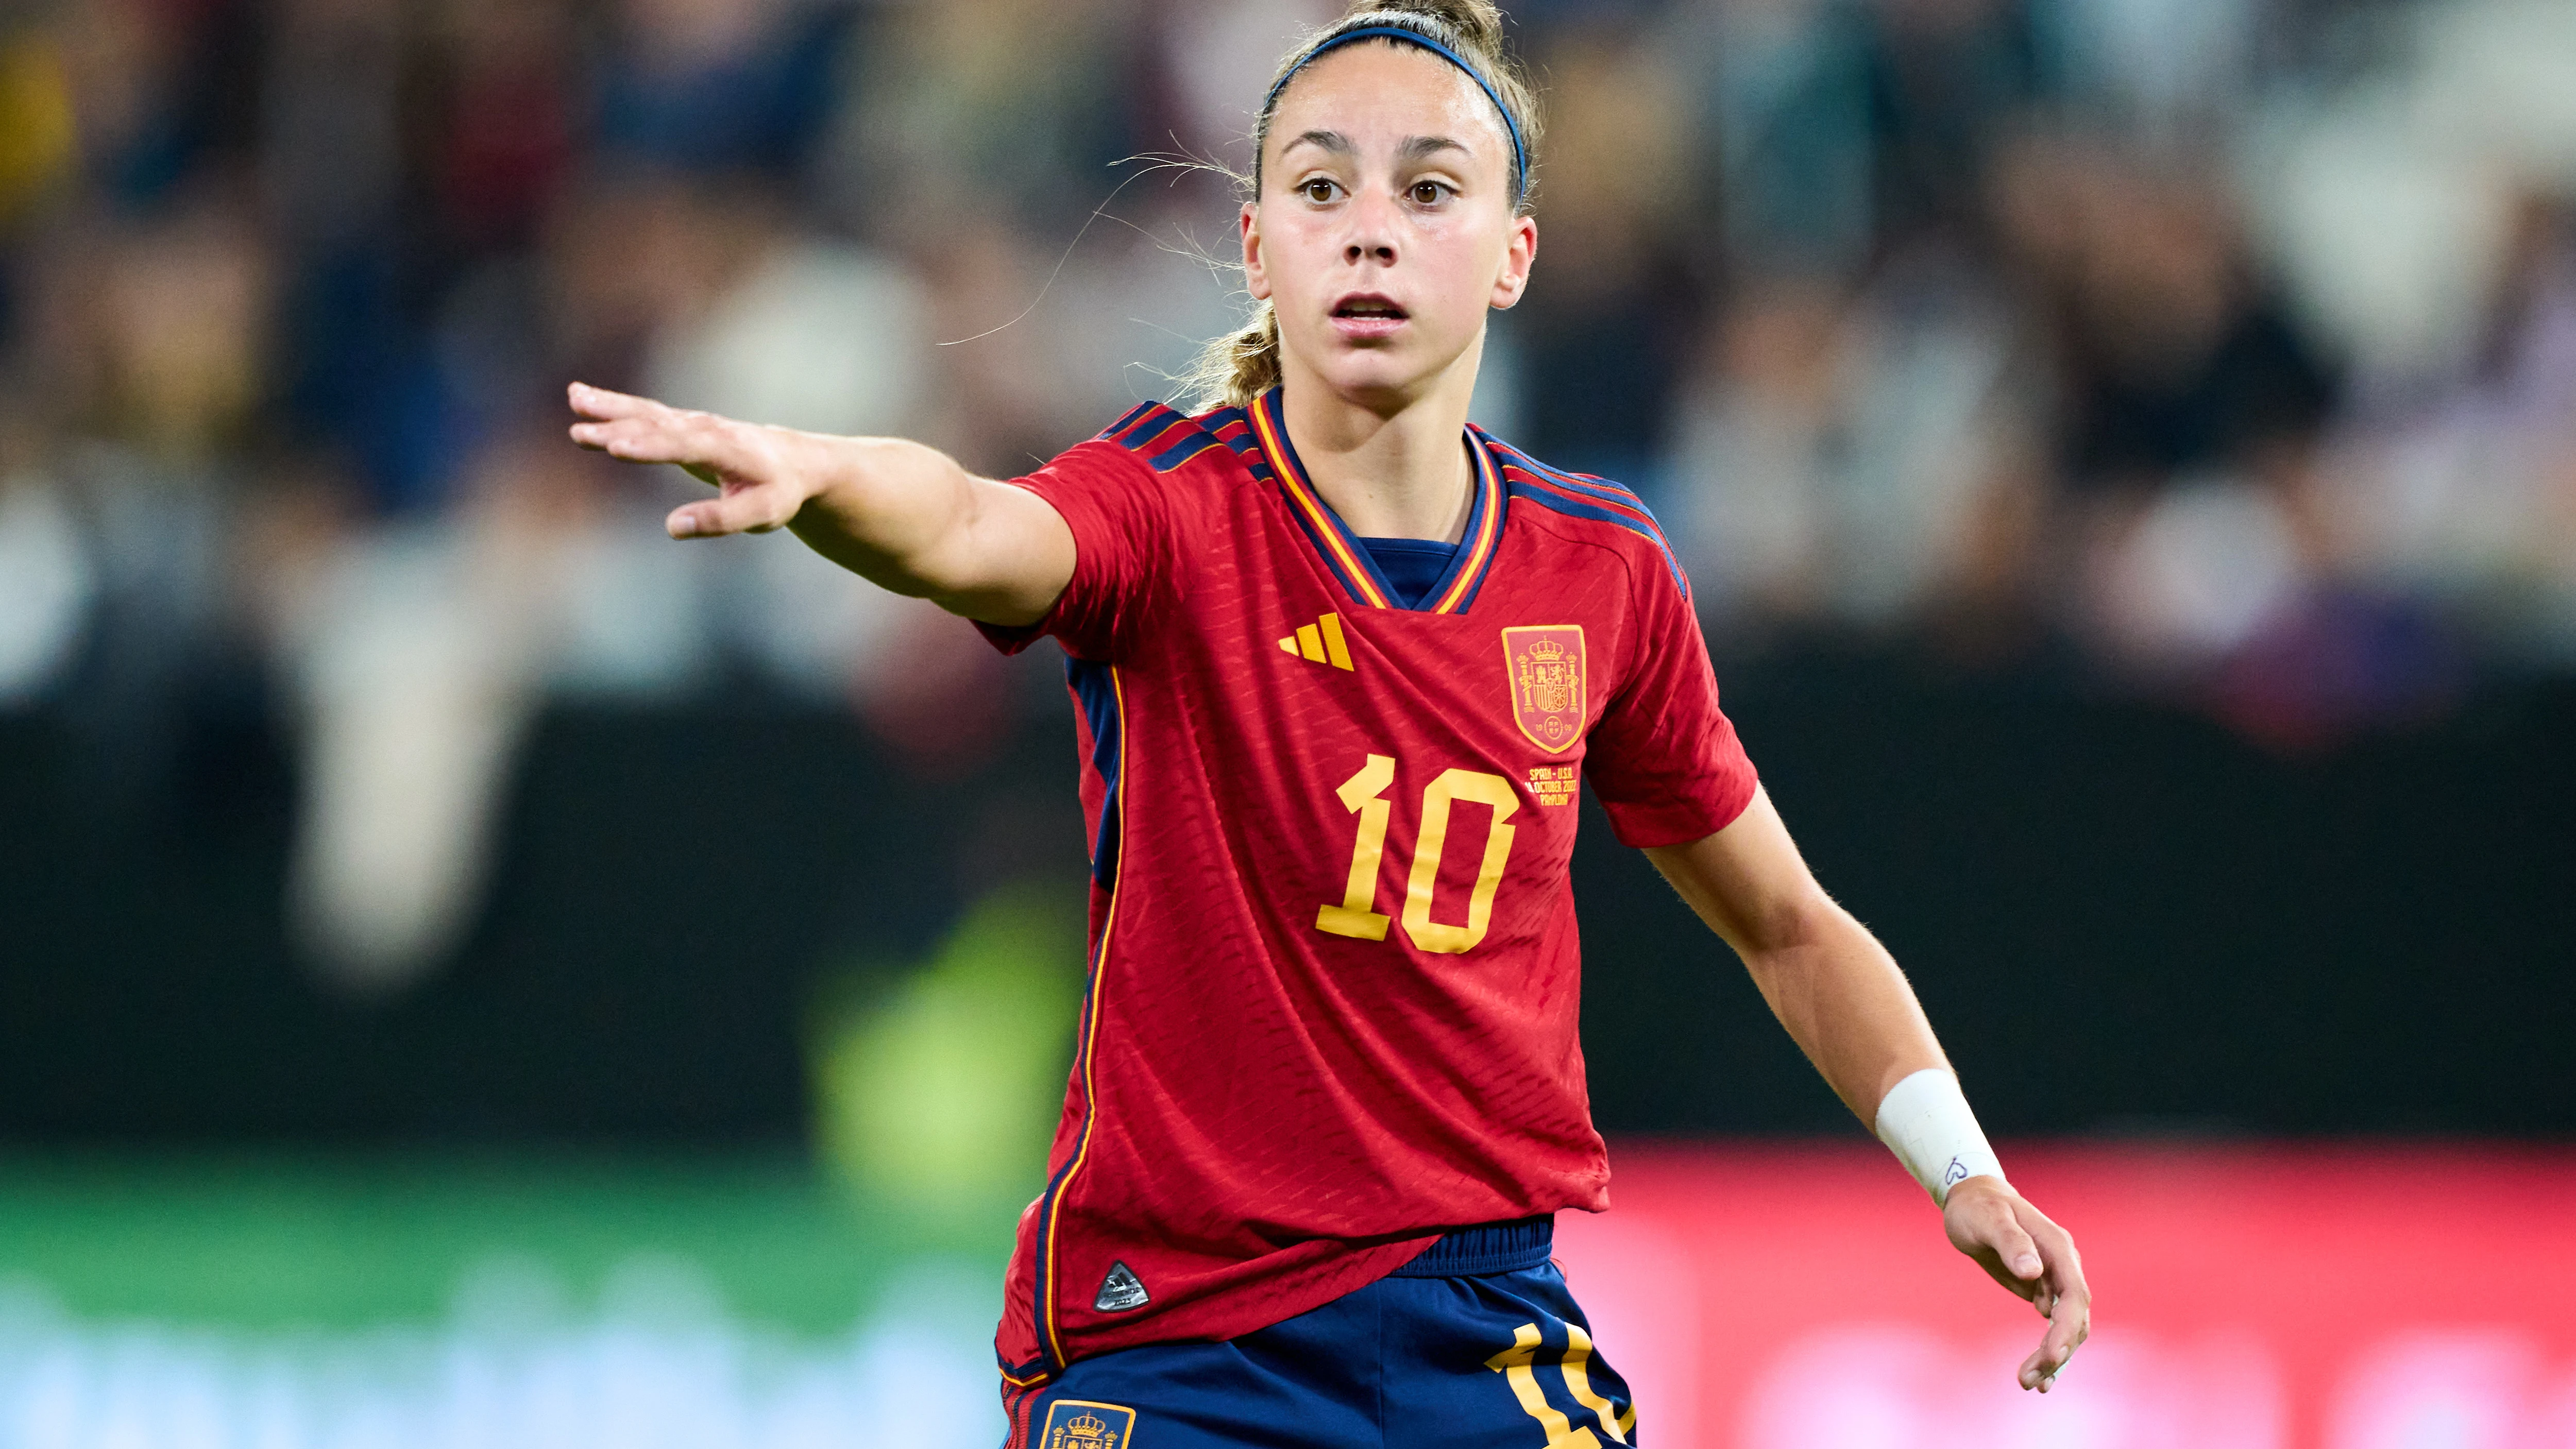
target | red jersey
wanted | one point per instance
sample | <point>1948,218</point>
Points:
<point>1334,974</point>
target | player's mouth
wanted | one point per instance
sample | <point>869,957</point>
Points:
<point>1367,317</point>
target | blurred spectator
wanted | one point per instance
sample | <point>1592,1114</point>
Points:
<point>1850,459</point>
<point>2163,71</point>
<point>1218,56</point>
<point>1614,297</point>
<point>2468,498</point>
<point>1944,77</point>
<point>331,143</point>
<point>991,111</point>
<point>503,120</point>
<point>37,130</point>
<point>145,346</point>
<point>2172,355</point>
<point>161,90</point>
<point>1786,121</point>
<point>811,333</point>
<point>716,86</point>
<point>48,578</point>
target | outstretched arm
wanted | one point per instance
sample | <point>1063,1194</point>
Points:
<point>904,516</point>
<point>1851,1011</point>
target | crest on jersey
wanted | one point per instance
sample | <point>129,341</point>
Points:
<point>1545,666</point>
<point>1079,1424</point>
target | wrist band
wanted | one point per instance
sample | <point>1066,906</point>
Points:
<point>1925,1121</point>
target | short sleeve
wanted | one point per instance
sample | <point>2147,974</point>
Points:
<point>1121,526</point>
<point>1664,759</point>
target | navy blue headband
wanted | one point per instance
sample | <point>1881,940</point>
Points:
<point>1520,154</point>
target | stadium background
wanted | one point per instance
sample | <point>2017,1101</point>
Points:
<point>476,972</point>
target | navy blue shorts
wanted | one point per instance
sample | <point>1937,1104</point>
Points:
<point>1476,1344</point>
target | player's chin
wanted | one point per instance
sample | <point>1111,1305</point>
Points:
<point>1374,372</point>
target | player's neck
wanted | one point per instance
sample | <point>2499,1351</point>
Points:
<point>1401,475</point>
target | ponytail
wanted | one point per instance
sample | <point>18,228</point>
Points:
<point>1238,367</point>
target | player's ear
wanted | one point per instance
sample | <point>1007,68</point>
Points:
<point>1519,256</point>
<point>1256,277</point>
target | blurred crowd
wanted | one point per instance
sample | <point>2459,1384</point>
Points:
<point>2220,350</point>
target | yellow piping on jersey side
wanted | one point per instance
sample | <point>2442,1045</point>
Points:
<point>1091,1028</point>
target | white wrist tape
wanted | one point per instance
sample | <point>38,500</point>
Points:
<point>1925,1121</point>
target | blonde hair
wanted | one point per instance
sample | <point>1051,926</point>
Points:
<point>1233,370</point>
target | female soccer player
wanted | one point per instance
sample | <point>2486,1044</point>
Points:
<point>1340,661</point>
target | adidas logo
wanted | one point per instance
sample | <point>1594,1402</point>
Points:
<point>1320,641</point>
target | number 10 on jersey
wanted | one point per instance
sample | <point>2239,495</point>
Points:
<point>1364,795</point>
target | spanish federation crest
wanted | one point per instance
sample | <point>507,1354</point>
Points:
<point>1545,665</point>
<point>1079,1424</point>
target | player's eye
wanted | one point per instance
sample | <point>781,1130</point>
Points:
<point>1428,193</point>
<point>1318,189</point>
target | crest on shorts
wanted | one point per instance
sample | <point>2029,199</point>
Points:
<point>1544,664</point>
<point>1081,1424</point>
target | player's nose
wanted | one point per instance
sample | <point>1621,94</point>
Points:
<point>1372,233</point>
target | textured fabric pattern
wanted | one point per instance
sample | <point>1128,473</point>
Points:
<point>1334,975</point>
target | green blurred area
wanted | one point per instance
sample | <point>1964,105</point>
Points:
<point>936,1083</point>
<point>308,1241</point>
<point>937,1088</point>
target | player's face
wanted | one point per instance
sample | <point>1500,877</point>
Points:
<point>1384,228</point>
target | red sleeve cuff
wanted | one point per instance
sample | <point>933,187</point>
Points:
<point>1679,820</point>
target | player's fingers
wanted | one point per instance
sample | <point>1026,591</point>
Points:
<point>741,460</point>
<point>2040,1370</point>
<point>2065,1265</point>
<point>740,510</point>
<point>711,448</point>
<point>651,438</point>
<point>2070,1319</point>
<point>1987,1258</point>
<point>2068,1327</point>
<point>601,404</point>
<point>622,438</point>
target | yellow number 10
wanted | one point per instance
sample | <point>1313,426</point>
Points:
<point>1363,795</point>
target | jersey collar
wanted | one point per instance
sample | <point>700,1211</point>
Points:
<point>1340,549</point>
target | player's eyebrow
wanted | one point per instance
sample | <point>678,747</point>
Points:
<point>1333,141</point>
<point>1417,148</point>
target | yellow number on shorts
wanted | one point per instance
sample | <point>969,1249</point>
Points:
<point>1514,1364</point>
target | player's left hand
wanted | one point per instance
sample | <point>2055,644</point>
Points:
<point>2020,1248</point>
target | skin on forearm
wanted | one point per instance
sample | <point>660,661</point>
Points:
<point>1832,985</point>
<point>907,518</point>
<point>1848,1007</point>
